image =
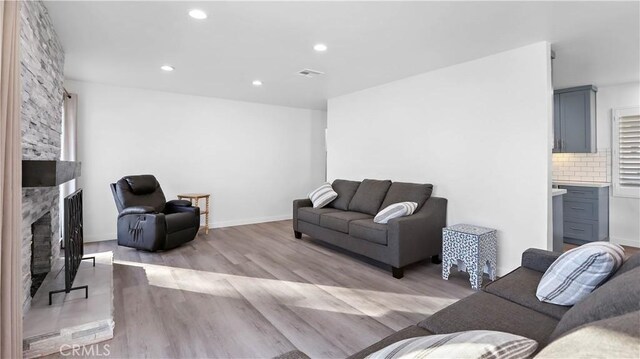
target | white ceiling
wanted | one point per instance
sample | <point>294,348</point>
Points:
<point>370,43</point>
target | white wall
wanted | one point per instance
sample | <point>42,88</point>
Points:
<point>624,213</point>
<point>479,131</point>
<point>253,158</point>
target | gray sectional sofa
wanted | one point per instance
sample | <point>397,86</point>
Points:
<point>347,222</point>
<point>606,324</point>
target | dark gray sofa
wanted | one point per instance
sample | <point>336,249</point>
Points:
<point>347,222</point>
<point>606,324</point>
<point>509,304</point>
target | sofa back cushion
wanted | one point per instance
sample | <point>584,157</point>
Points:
<point>618,296</point>
<point>616,337</point>
<point>369,196</point>
<point>629,264</point>
<point>346,190</point>
<point>407,192</point>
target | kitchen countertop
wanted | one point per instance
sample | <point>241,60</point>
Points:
<point>581,184</point>
<point>558,191</point>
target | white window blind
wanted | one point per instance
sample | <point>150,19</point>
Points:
<point>626,152</point>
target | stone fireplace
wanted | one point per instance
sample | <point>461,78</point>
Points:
<point>42,76</point>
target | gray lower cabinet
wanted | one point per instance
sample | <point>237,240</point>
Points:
<point>574,120</point>
<point>586,214</point>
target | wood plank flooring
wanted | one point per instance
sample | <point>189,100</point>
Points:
<point>255,291</point>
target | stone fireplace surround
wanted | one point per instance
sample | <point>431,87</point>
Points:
<point>42,76</point>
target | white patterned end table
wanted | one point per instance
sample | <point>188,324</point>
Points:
<point>472,247</point>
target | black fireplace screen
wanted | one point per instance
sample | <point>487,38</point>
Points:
<point>73,236</point>
<point>73,243</point>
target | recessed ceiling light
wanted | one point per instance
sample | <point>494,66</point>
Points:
<point>320,47</point>
<point>198,14</point>
<point>167,68</point>
<point>257,83</point>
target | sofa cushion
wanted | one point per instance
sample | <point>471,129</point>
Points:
<point>312,215</point>
<point>519,287</point>
<point>472,344</point>
<point>346,190</point>
<point>576,273</point>
<point>339,221</point>
<point>629,264</point>
<point>617,296</point>
<point>368,230</point>
<point>369,196</point>
<point>616,337</point>
<point>408,332</point>
<point>407,192</point>
<point>484,311</point>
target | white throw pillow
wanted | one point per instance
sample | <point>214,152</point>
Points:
<point>322,195</point>
<point>470,344</point>
<point>576,273</point>
<point>394,211</point>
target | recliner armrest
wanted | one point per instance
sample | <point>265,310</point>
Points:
<point>136,210</point>
<point>179,203</point>
<point>538,259</point>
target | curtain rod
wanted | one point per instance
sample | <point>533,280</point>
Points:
<point>66,93</point>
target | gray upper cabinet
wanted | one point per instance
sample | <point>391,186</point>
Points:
<point>574,120</point>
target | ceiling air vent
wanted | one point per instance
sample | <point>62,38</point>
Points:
<point>310,73</point>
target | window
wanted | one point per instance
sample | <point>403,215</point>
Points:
<point>626,152</point>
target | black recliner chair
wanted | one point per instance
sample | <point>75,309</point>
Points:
<point>147,221</point>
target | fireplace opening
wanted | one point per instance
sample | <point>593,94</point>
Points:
<point>40,251</point>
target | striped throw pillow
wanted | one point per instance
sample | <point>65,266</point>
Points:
<point>576,273</point>
<point>322,195</point>
<point>485,344</point>
<point>394,211</point>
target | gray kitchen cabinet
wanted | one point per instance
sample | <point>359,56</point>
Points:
<point>585,214</point>
<point>574,120</point>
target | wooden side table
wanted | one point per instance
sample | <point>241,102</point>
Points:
<point>194,198</point>
<point>473,246</point>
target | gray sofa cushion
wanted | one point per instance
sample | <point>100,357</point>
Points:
<point>519,287</point>
<point>369,196</point>
<point>294,354</point>
<point>346,190</point>
<point>368,230</point>
<point>616,337</point>
<point>618,296</point>
<point>631,263</point>
<point>484,311</point>
<point>312,215</point>
<point>408,332</point>
<point>407,192</point>
<point>339,221</point>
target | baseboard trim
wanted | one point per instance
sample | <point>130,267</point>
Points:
<point>240,222</point>
<point>625,242</point>
<point>100,238</point>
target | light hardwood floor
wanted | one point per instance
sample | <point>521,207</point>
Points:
<point>255,291</point>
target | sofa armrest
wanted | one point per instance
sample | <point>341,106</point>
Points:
<point>538,259</point>
<point>297,204</point>
<point>411,238</point>
<point>136,210</point>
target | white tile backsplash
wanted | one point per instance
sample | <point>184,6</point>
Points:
<point>585,167</point>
